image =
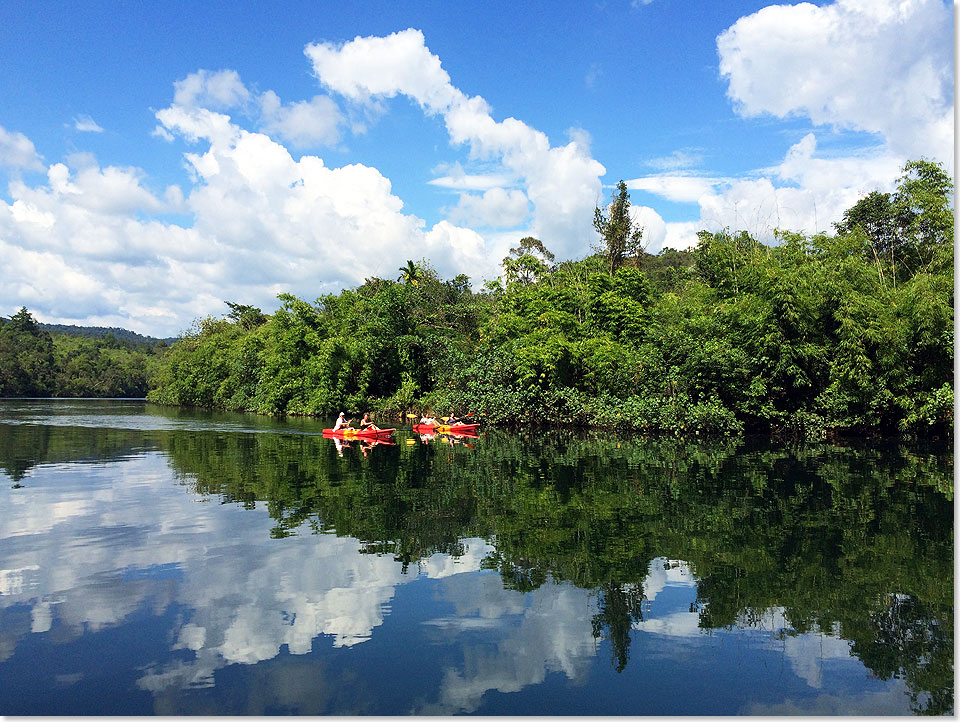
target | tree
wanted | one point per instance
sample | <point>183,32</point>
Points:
<point>410,274</point>
<point>23,322</point>
<point>906,228</point>
<point>874,216</point>
<point>727,261</point>
<point>26,357</point>
<point>246,317</point>
<point>528,262</point>
<point>921,205</point>
<point>620,239</point>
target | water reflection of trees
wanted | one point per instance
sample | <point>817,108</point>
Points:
<point>834,535</point>
<point>24,446</point>
<point>856,540</point>
<point>619,605</point>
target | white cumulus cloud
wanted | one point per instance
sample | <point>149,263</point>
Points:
<point>306,123</point>
<point>18,151</point>
<point>880,66</point>
<point>216,90</point>
<point>260,223</point>
<point>561,182</point>
<point>302,124</point>
<point>497,208</point>
<point>654,228</point>
<point>803,192</point>
<point>257,220</point>
<point>365,69</point>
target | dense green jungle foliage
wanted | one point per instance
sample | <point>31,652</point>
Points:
<point>850,333</point>
<point>854,540</point>
<point>34,362</point>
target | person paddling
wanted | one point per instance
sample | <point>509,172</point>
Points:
<point>453,419</point>
<point>342,423</point>
<point>366,424</point>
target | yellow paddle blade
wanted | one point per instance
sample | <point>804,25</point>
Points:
<point>411,416</point>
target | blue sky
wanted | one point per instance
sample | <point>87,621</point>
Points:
<point>158,159</point>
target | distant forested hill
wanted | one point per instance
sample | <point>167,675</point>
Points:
<point>101,331</point>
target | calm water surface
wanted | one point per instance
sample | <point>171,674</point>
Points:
<point>156,561</point>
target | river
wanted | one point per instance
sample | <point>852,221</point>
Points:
<point>172,562</point>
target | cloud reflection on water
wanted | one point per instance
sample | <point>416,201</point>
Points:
<point>86,547</point>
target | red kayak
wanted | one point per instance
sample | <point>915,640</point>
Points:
<point>463,434</point>
<point>357,433</point>
<point>459,429</point>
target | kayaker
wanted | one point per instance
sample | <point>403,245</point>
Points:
<point>453,419</point>
<point>428,421</point>
<point>342,423</point>
<point>366,423</point>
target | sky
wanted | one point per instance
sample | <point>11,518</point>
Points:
<point>159,159</point>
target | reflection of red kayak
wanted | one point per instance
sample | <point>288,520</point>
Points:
<point>424,428</point>
<point>358,434</point>
<point>378,441</point>
<point>465,434</point>
<point>459,428</point>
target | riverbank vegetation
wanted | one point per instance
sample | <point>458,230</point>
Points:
<point>849,332</point>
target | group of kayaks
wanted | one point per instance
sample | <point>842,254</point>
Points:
<point>382,434</point>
